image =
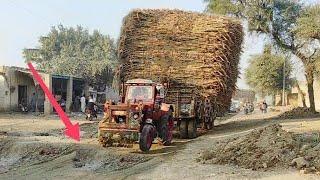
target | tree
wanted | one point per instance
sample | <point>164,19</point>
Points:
<point>280,19</point>
<point>76,52</point>
<point>309,23</point>
<point>265,72</point>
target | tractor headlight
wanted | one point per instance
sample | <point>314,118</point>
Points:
<point>149,121</point>
<point>134,120</point>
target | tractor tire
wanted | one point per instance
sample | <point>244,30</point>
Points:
<point>192,129</point>
<point>209,125</point>
<point>146,137</point>
<point>164,131</point>
<point>213,117</point>
<point>183,129</point>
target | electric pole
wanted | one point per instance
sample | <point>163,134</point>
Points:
<point>284,83</point>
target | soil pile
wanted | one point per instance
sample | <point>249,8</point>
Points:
<point>15,153</point>
<point>192,51</point>
<point>267,148</point>
<point>299,112</point>
<point>95,160</point>
<point>90,130</point>
<point>87,130</point>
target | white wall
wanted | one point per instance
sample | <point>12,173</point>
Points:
<point>14,78</point>
<point>3,91</point>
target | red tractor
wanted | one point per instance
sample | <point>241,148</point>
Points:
<point>141,116</point>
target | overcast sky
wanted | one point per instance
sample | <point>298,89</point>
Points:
<point>23,22</point>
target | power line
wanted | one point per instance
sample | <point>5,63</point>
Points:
<point>41,18</point>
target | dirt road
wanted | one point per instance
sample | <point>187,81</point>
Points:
<point>35,148</point>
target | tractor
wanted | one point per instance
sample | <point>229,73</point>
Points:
<point>141,116</point>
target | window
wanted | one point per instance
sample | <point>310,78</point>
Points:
<point>136,93</point>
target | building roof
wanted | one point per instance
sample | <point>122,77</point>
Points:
<point>27,71</point>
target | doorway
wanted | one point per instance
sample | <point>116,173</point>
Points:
<point>22,95</point>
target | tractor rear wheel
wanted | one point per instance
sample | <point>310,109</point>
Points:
<point>146,137</point>
<point>183,129</point>
<point>192,129</point>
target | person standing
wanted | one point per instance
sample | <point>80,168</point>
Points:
<point>265,106</point>
<point>76,104</point>
<point>83,103</point>
<point>33,102</point>
<point>92,106</point>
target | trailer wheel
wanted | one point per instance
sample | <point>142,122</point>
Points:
<point>146,137</point>
<point>183,129</point>
<point>213,117</point>
<point>192,129</point>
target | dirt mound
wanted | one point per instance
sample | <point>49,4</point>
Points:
<point>267,148</point>
<point>299,112</point>
<point>95,160</point>
<point>15,153</point>
<point>90,130</point>
<point>87,130</point>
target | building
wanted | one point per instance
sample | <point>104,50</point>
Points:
<point>17,86</point>
<point>244,95</point>
<point>298,96</point>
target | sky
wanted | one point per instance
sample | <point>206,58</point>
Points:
<point>23,22</point>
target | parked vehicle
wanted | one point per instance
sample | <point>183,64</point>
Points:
<point>234,107</point>
<point>23,108</point>
<point>248,108</point>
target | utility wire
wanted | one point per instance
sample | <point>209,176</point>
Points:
<point>41,18</point>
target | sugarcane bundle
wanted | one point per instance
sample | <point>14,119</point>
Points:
<point>190,50</point>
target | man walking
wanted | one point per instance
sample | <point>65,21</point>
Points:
<point>33,102</point>
<point>83,103</point>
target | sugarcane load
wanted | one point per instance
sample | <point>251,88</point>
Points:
<point>177,70</point>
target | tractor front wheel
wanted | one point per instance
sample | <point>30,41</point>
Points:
<point>192,129</point>
<point>183,129</point>
<point>146,137</point>
<point>165,131</point>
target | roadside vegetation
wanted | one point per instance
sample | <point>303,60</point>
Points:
<point>75,52</point>
<point>291,26</point>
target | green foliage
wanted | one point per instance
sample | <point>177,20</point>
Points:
<point>265,72</point>
<point>276,18</point>
<point>76,52</point>
<point>284,21</point>
<point>225,7</point>
<point>309,23</point>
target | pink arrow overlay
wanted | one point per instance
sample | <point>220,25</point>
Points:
<point>72,130</point>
